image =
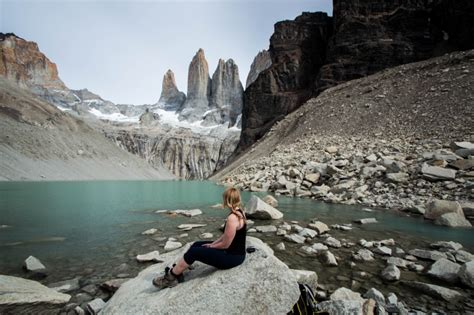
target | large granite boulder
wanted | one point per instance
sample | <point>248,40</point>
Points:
<point>436,208</point>
<point>22,296</point>
<point>257,209</point>
<point>466,274</point>
<point>171,98</point>
<point>199,89</point>
<point>261,285</point>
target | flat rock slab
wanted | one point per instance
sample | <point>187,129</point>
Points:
<point>261,285</point>
<point>188,227</point>
<point>151,256</point>
<point>366,221</point>
<point>22,296</point>
<point>427,254</point>
<point>434,290</point>
<point>445,269</point>
<point>65,286</point>
<point>33,264</point>
<point>187,213</point>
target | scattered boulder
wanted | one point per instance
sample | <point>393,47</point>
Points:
<point>434,290</point>
<point>363,255</point>
<point>383,250</point>
<point>399,262</point>
<point>462,256</point>
<point>33,264</point>
<point>437,173</point>
<point>305,232</point>
<point>328,258</point>
<point>65,286</point>
<point>366,220</point>
<point>375,295</point>
<point>187,213</point>
<point>95,306</point>
<point>466,274</point>
<point>295,238</point>
<point>281,246</point>
<point>341,307</point>
<point>171,245</point>
<point>22,296</point>
<point>436,208</point>
<point>308,277</point>
<point>446,246</point>
<point>258,209</point>
<point>265,284</point>
<point>398,178</point>
<point>345,294</point>
<point>332,242</point>
<point>188,227</point>
<point>445,270</point>
<point>391,273</point>
<point>452,220</point>
<point>427,254</point>
<point>151,256</point>
<point>206,235</point>
<point>319,226</point>
<point>150,232</point>
<point>266,229</point>
<point>269,199</point>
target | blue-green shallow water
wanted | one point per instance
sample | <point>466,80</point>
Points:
<point>66,222</point>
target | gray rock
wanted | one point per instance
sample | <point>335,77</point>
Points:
<point>427,254</point>
<point>79,310</point>
<point>187,213</point>
<point>446,246</point>
<point>319,226</point>
<point>375,295</point>
<point>392,298</point>
<point>398,178</point>
<point>434,290</point>
<point>466,274</point>
<point>328,258</point>
<point>445,270</point>
<point>345,294</point>
<point>312,177</point>
<point>22,296</point>
<point>437,173</point>
<point>265,284</point>
<point>332,242</point>
<point>266,228</point>
<point>342,187</point>
<point>95,306</point>
<point>452,220</point>
<point>463,256</point>
<point>150,232</point>
<point>295,238</point>
<point>352,307</point>
<point>65,286</point>
<point>399,262</point>
<point>171,245</point>
<point>33,264</point>
<point>391,273</point>
<point>206,235</point>
<point>435,208</point>
<point>308,277</point>
<point>363,255</point>
<point>257,209</point>
<point>383,250</point>
<point>305,232</point>
<point>188,227</point>
<point>268,199</point>
<point>281,246</point>
<point>151,256</point>
<point>366,221</point>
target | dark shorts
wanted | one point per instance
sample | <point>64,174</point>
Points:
<point>218,258</point>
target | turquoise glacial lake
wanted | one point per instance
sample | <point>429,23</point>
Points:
<point>95,226</point>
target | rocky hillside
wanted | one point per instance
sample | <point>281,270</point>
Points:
<point>393,139</point>
<point>40,142</point>
<point>315,51</point>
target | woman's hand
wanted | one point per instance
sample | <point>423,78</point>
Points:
<point>207,245</point>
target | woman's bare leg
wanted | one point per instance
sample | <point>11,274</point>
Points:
<point>180,267</point>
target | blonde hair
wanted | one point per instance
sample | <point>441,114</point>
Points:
<point>231,199</point>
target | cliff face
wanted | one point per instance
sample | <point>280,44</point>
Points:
<point>186,154</point>
<point>315,52</point>
<point>297,50</point>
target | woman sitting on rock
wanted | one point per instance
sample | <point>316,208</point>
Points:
<point>226,252</point>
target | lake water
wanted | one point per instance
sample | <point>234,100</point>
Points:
<point>93,228</point>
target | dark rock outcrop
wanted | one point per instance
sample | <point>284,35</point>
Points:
<point>298,50</point>
<point>315,51</point>
<point>171,98</point>
<point>261,62</point>
<point>199,89</point>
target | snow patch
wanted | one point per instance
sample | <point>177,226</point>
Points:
<point>115,116</point>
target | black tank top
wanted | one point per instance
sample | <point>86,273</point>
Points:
<point>237,247</point>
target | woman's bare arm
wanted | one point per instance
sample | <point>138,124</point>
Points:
<point>226,239</point>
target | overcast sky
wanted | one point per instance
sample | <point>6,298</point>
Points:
<point>121,49</point>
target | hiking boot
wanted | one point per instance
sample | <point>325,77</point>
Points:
<point>169,280</point>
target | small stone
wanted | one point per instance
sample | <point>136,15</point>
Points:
<point>295,238</point>
<point>345,294</point>
<point>446,245</point>
<point>319,226</point>
<point>171,245</point>
<point>188,227</point>
<point>363,255</point>
<point>375,295</point>
<point>114,284</point>
<point>305,232</point>
<point>95,306</point>
<point>33,264</point>
<point>391,273</point>
<point>463,256</point>
<point>399,262</point>
<point>150,232</point>
<point>445,270</point>
<point>281,246</point>
<point>266,229</point>
<point>187,213</point>
<point>466,274</point>
<point>427,254</point>
<point>366,220</point>
<point>206,235</point>
<point>328,258</point>
<point>332,242</point>
<point>383,250</point>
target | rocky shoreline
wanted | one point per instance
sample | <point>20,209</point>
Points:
<point>402,174</point>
